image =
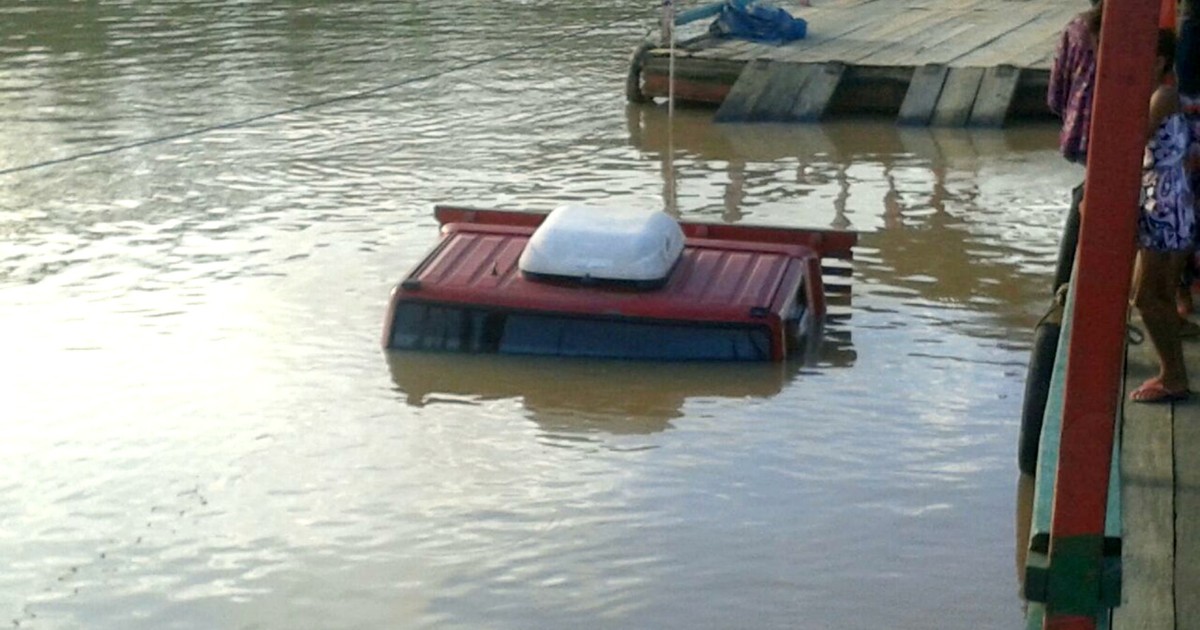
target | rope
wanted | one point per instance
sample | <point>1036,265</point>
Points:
<point>1133,334</point>
<point>369,93</point>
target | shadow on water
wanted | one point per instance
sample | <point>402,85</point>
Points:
<point>580,395</point>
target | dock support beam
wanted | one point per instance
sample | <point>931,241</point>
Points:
<point>922,95</point>
<point>768,91</point>
<point>995,96</point>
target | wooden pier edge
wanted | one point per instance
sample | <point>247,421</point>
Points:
<point>1011,94</point>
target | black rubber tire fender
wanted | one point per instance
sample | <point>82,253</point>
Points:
<point>1037,390</point>
<point>633,81</point>
<point>1070,241</point>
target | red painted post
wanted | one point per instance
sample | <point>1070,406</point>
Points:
<point>1166,14</point>
<point>1104,263</point>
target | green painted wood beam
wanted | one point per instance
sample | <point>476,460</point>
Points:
<point>1037,569</point>
<point>1073,576</point>
<point>1035,617</point>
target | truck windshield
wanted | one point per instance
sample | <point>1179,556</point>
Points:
<point>420,326</point>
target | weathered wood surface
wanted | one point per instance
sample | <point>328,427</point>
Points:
<point>1186,449</point>
<point>781,92</point>
<point>922,95</point>
<point>958,97</point>
<point>876,41</point>
<point>1160,469</point>
<point>981,33</point>
<point>787,82</point>
<point>995,96</point>
<point>817,93</point>
<point>740,101</point>
<point>1159,460</point>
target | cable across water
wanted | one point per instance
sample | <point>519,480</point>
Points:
<point>369,93</point>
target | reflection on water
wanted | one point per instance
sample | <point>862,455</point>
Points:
<point>585,396</point>
<point>922,198</point>
<point>199,431</point>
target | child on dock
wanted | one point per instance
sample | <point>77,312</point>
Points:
<point>1166,233</point>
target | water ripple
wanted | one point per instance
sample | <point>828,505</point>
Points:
<point>207,434</point>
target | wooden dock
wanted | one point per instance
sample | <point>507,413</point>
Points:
<point>1152,540</point>
<point>1160,478</point>
<point>935,62</point>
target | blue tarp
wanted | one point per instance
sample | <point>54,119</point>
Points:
<point>757,20</point>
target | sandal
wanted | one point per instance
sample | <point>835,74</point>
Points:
<point>1153,391</point>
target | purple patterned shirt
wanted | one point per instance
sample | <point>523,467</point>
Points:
<point>1070,94</point>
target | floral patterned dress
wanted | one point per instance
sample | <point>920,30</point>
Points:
<point>1072,80</point>
<point>1167,222</point>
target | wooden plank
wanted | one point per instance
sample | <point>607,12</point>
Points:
<point>785,84</point>
<point>908,33</point>
<point>995,22</point>
<point>958,97</point>
<point>1041,34</point>
<point>840,35</point>
<point>1036,56</point>
<point>922,95</point>
<point>921,46</point>
<point>944,22</point>
<point>1148,531</point>
<point>743,50</point>
<point>1038,34</point>
<point>905,26</point>
<point>873,36</point>
<point>995,96</point>
<point>992,28</point>
<point>813,101</point>
<point>745,91</point>
<point>850,22</point>
<point>1187,502</point>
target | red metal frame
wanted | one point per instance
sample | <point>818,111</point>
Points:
<point>827,243</point>
<point>727,274</point>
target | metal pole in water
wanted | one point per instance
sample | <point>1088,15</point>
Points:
<point>669,34</point>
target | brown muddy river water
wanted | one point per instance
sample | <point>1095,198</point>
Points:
<point>199,430</point>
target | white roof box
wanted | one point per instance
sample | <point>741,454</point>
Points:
<point>604,244</point>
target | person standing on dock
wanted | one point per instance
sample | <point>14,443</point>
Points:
<point>1166,231</point>
<point>1187,77</point>
<point>1072,82</point>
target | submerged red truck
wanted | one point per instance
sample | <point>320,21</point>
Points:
<point>613,283</point>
